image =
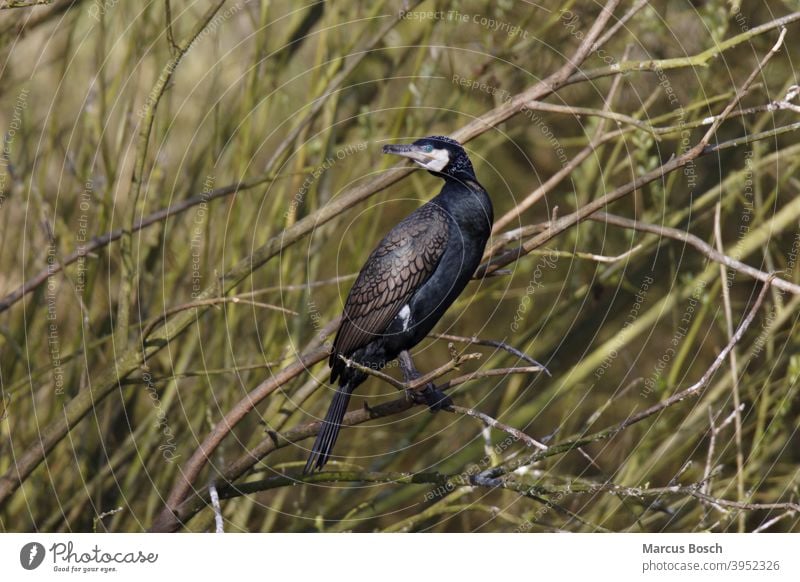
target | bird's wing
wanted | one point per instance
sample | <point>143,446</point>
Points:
<point>405,258</point>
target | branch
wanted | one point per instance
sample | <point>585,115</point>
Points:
<point>496,424</point>
<point>720,119</point>
<point>785,104</point>
<point>473,340</point>
<point>700,245</point>
<point>734,368</point>
<point>214,301</point>
<point>24,4</point>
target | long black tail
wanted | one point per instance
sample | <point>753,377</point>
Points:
<point>321,451</point>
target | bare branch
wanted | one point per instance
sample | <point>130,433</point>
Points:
<point>700,245</point>
<point>24,4</point>
<point>494,344</point>
<point>496,424</point>
<point>219,524</point>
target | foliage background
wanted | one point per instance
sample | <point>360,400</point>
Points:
<point>80,81</point>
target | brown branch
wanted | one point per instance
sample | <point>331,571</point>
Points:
<point>220,430</point>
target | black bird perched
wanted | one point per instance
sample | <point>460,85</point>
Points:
<point>409,281</point>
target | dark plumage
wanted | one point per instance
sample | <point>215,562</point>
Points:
<point>411,278</point>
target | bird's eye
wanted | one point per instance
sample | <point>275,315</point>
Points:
<point>427,148</point>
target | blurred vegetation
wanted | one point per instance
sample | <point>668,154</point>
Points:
<point>116,110</point>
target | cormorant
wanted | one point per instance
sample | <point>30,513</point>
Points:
<point>409,281</point>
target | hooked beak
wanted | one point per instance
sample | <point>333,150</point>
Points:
<point>411,151</point>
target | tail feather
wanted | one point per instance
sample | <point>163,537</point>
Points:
<point>321,451</point>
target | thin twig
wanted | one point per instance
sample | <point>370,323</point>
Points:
<point>219,524</point>
<point>700,245</point>
<point>479,374</point>
<point>769,523</point>
<point>173,46</point>
<point>148,329</point>
<point>472,340</point>
<point>719,120</point>
<point>24,4</point>
<point>734,369</point>
<point>496,424</point>
<point>590,112</point>
<point>591,256</point>
<point>452,364</point>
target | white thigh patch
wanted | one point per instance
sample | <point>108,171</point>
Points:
<point>405,316</point>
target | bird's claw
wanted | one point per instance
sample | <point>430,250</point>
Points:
<point>433,398</point>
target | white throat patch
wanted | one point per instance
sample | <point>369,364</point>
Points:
<point>439,160</point>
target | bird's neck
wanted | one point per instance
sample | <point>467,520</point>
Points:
<point>468,203</point>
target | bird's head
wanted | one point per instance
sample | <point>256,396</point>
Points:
<point>440,155</point>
